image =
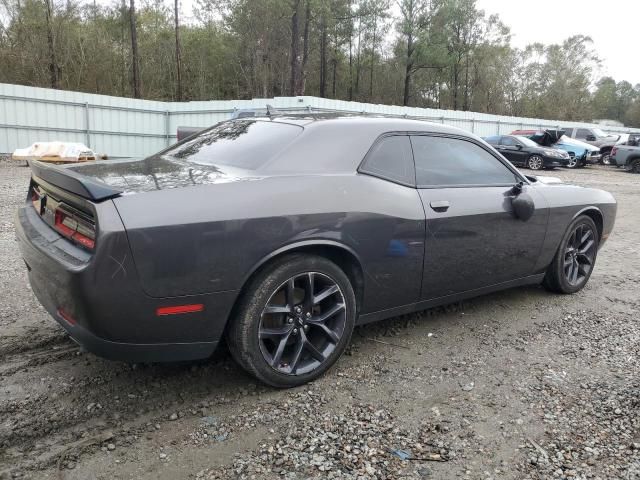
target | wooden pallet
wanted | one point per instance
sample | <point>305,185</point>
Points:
<point>57,159</point>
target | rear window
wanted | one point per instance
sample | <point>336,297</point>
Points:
<point>246,144</point>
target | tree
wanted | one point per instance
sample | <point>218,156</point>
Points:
<point>178,67</point>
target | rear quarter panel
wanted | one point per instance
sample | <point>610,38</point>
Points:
<point>211,238</point>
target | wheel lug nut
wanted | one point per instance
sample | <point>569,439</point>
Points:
<point>295,331</point>
<point>289,320</point>
<point>308,314</point>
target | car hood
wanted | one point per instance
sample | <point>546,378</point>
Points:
<point>577,143</point>
<point>156,173</point>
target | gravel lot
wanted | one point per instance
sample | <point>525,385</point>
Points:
<point>521,384</point>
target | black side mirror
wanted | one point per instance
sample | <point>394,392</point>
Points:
<point>519,147</point>
<point>523,206</point>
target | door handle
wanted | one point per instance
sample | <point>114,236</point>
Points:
<point>440,205</point>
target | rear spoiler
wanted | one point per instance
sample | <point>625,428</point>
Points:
<point>73,182</point>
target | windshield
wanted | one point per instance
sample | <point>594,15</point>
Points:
<point>527,142</point>
<point>599,133</point>
<point>246,144</point>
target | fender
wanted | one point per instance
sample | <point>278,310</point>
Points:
<point>317,242</point>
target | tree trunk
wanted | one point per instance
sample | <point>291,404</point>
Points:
<point>323,57</point>
<point>302,80</point>
<point>408,71</point>
<point>178,66</point>
<point>135,63</point>
<point>350,59</point>
<point>295,44</point>
<point>53,64</point>
<point>373,57</point>
<point>357,87</point>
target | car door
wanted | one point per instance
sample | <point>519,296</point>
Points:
<point>473,239</point>
<point>513,150</point>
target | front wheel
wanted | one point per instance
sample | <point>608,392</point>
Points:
<point>573,162</point>
<point>573,263</point>
<point>294,321</point>
<point>535,162</point>
<point>635,166</point>
<point>606,158</point>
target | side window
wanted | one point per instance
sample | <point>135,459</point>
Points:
<point>508,141</point>
<point>443,161</point>
<point>493,140</point>
<point>391,158</point>
<point>582,133</point>
<point>568,131</point>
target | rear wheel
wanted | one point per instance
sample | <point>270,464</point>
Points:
<point>535,162</point>
<point>294,321</point>
<point>573,263</point>
<point>606,158</point>
<point>635,166</point>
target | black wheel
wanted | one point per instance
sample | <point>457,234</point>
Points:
<point>535,162</point>
<point>635,166</point>
<point>294,321</point>
<point>573,263</point>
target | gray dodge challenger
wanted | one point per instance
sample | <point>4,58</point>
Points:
<point>279,234</point>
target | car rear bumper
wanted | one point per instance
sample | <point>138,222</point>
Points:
<point>97,299</point>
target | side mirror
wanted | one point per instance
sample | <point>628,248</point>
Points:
<point>591,138</point>
<point>523,207</point>
<point>519,147</point>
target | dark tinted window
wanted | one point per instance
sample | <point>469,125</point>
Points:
<point>245,144</point>
<point>509,141</point>
<point>391,158</point>
<point>583,133</point>
<point>495,140</point>
<point>442,161</point>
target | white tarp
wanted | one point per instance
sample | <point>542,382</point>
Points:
<point>55,152</point>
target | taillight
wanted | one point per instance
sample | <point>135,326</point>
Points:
<point>75,228</point>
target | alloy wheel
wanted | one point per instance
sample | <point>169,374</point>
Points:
<point>573,162</point>
<point>606,159</point>
<point>579,254</point>
<point>535,162</point>
<point>302,323</point>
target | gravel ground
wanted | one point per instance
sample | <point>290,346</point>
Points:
<point>520,384</point>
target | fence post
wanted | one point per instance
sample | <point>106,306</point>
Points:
<point>167,133</point>
<point>497,127</point>
<point>87,126</point>
<point>473,125</point>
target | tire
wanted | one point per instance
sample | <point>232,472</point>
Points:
<point>635,166</point>
<point>606,158</point>
<point>277,333</point>
<point>573,162</point>
<point>535,162</point>
<point>575,259</point>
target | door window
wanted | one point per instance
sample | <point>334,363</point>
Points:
<point>582,133</point>
<point>391,158</point>
<point>444,161</point>
<point>509,142</point>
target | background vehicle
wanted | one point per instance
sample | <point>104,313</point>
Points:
<point>280,234</point>
<point>596,137</point>
<point>628,156</point>
<point>581,153</point>
<point>522,151</point>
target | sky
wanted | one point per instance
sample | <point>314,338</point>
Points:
<point>613,25</point>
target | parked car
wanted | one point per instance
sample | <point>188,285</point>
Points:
<point>281,234</point>
<point>581,153</point>
<point>596,137</point>
<point>522,151</point>
<point>627,156</point>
